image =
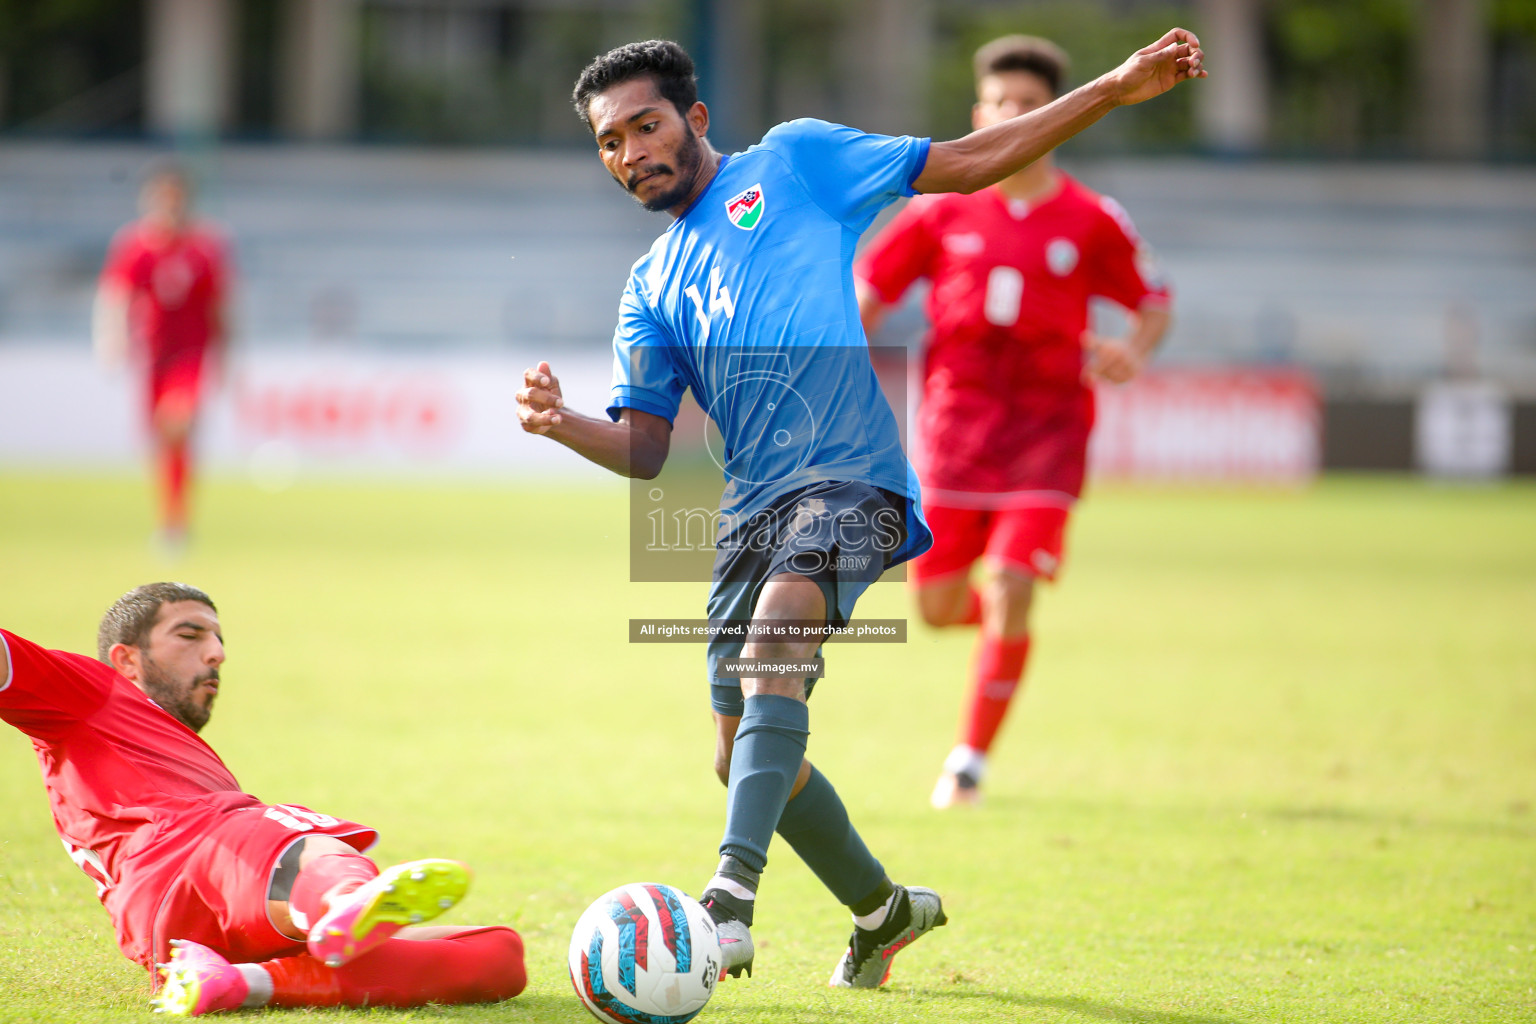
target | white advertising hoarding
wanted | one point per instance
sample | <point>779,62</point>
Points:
<point>1464,429</point>
<point>1261,425</point>
<point>281,415</point>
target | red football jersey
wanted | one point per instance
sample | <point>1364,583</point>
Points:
<point>133,791</point>
<point>176,287</point>
<point>1005,416</point>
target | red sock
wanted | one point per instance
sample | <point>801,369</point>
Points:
<point>302,981</point>
<point>341,872</point>
<point>475,965</point>
<point>480,965</point>
<point>972,616</point>
<point>996,671</point>
<point>173,485</point>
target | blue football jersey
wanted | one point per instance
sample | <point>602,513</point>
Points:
<point>748,300</point>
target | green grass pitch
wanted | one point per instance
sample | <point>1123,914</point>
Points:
<point>1276,760</point>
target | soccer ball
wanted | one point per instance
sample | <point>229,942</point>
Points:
<point>645,954</point>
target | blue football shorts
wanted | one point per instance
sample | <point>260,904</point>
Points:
<point>840,534</point>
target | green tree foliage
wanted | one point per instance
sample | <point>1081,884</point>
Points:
<point>513,87</point>
<point>1342,76</point>
<point>69,65</point>
<point>1513,23</point>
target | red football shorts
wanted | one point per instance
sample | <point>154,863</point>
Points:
<point>219,896</point>
<point>1024,541</point>
<point>176,388</point>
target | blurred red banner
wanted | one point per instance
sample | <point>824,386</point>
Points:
<point>1259,425</point>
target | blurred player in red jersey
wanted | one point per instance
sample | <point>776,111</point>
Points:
<point>1007,405</point>
<point>162,300</point>
<point>252,904</point>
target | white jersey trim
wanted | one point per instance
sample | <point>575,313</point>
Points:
<point>87,860</point>
<point>991,501</point>
<point>1020,569</point>
<point>1122,219</point>
<point>10,663</point>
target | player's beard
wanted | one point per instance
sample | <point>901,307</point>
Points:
<point>175,700</point>
<point>690,158</point>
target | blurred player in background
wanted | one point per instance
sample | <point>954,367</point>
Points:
<point>252,904</point>
<point>162,303</point>
<point>1007,407</point>
<point>756,269</point>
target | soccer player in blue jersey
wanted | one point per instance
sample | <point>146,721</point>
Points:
<point>748,300</point>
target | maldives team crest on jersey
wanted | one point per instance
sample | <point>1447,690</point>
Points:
<point>745,208</point>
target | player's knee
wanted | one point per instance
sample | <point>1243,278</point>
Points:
<point>941,607</point>
<point>789,595</point>
<point>777,686</point>
<point>173,422</point>
<point>1010,593</point>
<point>1008,598</point>
<point>315,847</point>
<point>508,975</point>
<point>935,614</point>
<point>487,966</point>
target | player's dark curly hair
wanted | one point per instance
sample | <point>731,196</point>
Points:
<point>660,60</point>
<point>133,615</point>
<point>1039,57</point>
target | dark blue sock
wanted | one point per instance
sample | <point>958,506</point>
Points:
<point>770,744</point>
<point>815,824</point>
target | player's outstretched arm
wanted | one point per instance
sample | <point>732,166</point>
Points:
<point>991,154</point>
<point>216,358</point>
<point>109,325</point>
<point>871,310</point>
<point>635,446</point>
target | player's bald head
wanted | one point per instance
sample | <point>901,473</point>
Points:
<point>133,615</point>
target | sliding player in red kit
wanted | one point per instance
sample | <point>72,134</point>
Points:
<point>1007,407</point>
<point>162,301</point>
<point>238,903</point>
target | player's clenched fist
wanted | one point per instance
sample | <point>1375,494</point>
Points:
<point>539,400</point>
<point>1111,360</point>
<point>1153,70</point>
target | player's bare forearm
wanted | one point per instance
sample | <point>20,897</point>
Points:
<point>218,323</point>
<point>216,356</point>
<point>871,309</point>
<point>635,446</point>
<point>990,154</point>
<point>625,447</point>
<point>1152,323</point>
<point>1120,360</point>
<point>109,325</point>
